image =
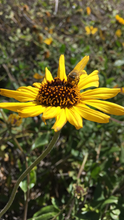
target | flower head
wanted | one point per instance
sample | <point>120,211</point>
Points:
<point>119,19</point>
<point>90,30</point>
<point>118,33</point>
<point>14,119</point>
<point>88,10</point>
<point>63,97</point>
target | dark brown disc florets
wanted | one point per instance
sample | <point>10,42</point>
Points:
<point>58,93</point>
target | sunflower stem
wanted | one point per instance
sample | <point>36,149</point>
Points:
<point>24,174</point>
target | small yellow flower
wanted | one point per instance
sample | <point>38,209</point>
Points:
<point>48,41</point>
<point>14,119</point>
<point>118,33</point>
<point>56,98</point>
<point>90,30</point>
<point>119,19</point>
<point>37,76</point>
<point>88,10</point>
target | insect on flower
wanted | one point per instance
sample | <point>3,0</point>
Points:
<point>73,77</point>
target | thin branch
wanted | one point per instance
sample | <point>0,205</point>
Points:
<point>24,174</point>
<point>27,193</point>
<point>56,6</point>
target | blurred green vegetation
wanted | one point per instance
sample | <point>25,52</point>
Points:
<point>55,190</point>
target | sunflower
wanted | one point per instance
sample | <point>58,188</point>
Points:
<point>59,99</point>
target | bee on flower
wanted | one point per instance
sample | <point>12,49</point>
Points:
<point>65,97</point>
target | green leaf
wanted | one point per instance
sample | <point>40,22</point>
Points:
<point>88,216</point>
<point>55,203</point>
<point>46,216</point>
<point>122,154</point>
<point>112,199</point>
<point>47,209</point>
<point>40,141</point>
<point>62,48</point>
<point>95,171</point>
<point>23,184</point>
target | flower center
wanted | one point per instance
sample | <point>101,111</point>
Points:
<point>58,93</point>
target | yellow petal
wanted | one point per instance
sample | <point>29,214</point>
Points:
<point>37,85</point>
<point>91,80</point>
<point>94,30</point>
<point>91,114</point>
<point>84,75</point>
<point>51,112</point>
<point>87,29</point>
<point>74,118</point>
<point>37,76</point>
<point>61,69</point>
<point>48,75</point>
<point>15,106</point>
<point>48,41</point>
<point>81,65</point>
<point>88,10</point>
<point>107,107</point>
<point>60,121</point>
<point>31,111</point>
<point>28,89</point>
<point>22,94</point>
<point>100,93</point>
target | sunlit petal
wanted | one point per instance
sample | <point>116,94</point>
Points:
<point>37,85</point>
<point>48,75</point>
<point>81,65</point>
<point>107,107</point>
<point>31,111</point>
<point>51,112</point>
<point>61,69</point>
<point>91,80</point>
<point>61,120</point>
<point>91,114</point>
<point>21,95</point>
<point>100,93</point>
<point>74,117</point>
<point>15,106</point>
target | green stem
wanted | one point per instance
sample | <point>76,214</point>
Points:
<point>24,174</point>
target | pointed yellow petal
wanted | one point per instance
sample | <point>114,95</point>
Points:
<point>91,114</point>
<point>28,89</point>
<point>60,120</point>
<point>37,85</point>
<point>100,93</point>
<point>22,94</point>
<point>82,77</point>
<point>48,75</point>
<point>91,80</point>
<point>87,29</point>
<point>107,107</point>
<point>61,69</point>
<point>74,118</point>
<point>31,111</point>
<point>51,112</point>
<point>81,65</point>
<point>15,106</point>
<point>44,81</point>
<point>84,74</point>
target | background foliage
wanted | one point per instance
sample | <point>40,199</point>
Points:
<point>33,34</point>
